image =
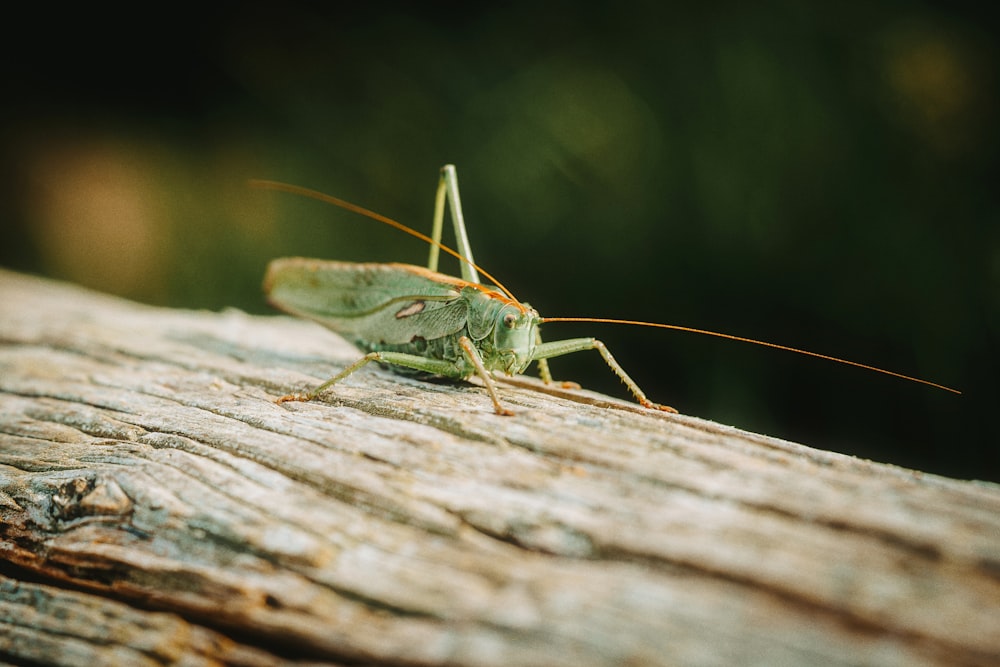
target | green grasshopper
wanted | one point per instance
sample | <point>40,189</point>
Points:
<point>424,323</point>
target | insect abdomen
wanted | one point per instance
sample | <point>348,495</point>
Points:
<point>445,348</point>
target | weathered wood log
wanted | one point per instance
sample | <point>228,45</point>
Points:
<point>158,507</point>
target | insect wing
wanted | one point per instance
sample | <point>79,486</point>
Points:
<point>384,303</point>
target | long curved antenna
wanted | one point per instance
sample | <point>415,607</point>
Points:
<point>354,208</point>
<point>742,339</point>
<point>320,196</point>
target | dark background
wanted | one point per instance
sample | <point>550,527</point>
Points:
<point>812,175</point>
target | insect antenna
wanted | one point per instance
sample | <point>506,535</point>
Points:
<point>743,339</point>
<point>354,208</point>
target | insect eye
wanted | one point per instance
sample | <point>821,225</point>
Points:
<point>509,320</point>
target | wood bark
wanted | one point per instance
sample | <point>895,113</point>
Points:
<point>158,507</point>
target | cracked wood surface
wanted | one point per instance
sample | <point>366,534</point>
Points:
<point>158,507</point>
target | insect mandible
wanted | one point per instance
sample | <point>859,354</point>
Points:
<point>424,323</point>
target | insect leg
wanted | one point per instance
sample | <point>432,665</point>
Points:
<point>439,204</point>
<point>543,368</point>
<point>448,189</point>
<point>543,371</point>
<point>561,347</point>
<point>435,366</point>
<point>473,356</point>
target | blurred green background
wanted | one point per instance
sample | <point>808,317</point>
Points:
<point>812,174</point>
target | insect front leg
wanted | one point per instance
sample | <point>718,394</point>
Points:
<point>472,354</point>
<point>543,367</point>
<point>561,347</point>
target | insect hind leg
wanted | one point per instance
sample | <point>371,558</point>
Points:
<point>447,191</point>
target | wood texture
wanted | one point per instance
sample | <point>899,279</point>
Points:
<point>159,508</point>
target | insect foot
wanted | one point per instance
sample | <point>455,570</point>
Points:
<point>657,406</point>
<point>292,397</point>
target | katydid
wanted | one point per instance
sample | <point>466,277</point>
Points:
<point>421,322</point>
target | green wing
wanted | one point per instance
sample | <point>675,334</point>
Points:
<point>375,303</point>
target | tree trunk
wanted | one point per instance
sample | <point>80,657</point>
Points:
<point>159,507</point>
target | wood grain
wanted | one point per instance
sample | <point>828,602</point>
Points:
<point>159,508</point>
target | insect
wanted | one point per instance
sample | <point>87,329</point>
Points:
<point>424,323</point>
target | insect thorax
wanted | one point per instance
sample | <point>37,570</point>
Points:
<point>503,335</point>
